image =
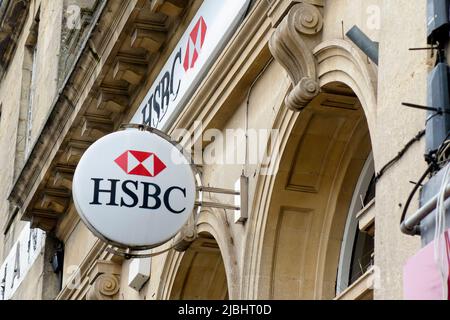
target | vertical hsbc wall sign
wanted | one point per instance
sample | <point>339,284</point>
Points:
<point>197,50</point>
<point>134,189</point>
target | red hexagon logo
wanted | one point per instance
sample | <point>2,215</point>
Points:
<point>140,163</point>
<point>195,44</point>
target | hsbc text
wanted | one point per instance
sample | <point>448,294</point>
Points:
<point>166,91</point>
<point>126,194</point>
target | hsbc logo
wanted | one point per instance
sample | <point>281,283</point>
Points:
<point>167,90</point>
<point>195,44</point>
<point>197,50</point>
<point>140,163</point>
<point>140,197</point>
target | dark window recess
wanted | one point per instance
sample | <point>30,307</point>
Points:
<point>362,255</point>
<point>364,245</point>
<point>57,262</point>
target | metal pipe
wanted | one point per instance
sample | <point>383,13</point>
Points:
<point>218,190</point>
<point>216,205</point>
<point>369,47</point>
<point>410,225</point>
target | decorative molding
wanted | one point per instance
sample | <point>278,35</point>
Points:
<point>105,287</point>
<point>104,280</point>
<point>97,276</point>
<point>85,267</point>
<point>72,154</point>
<point>92,102</point>
<point>63,177</point>
<point>171,8</point>
<point>111,102</point>
<point>291,45</point>
<point>145,36</point>
<point>129,70</point>
<point>95,127</point>
<point>352,70</point>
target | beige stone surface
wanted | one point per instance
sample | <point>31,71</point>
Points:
<point>402,78</point>
<point>47,62</point>
<point>77,246</point>
<point>32,284</point>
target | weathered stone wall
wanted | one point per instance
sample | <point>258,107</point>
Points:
<point>402,77</point>
<point>14,95</point>
<point>49,39</point>
<point>10,93</point>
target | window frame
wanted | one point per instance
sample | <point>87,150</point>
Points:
<point>351,225</point>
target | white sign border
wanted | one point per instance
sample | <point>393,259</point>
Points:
<point>195,173</point>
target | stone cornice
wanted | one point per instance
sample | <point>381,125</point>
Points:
<point>57,123</point>
<point>90,105</point>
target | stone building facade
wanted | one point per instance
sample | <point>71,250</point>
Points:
<point>324,224</point>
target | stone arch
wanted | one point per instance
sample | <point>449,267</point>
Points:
<point>213,248</point>
<point>341,70</point>
<point>338,61</point>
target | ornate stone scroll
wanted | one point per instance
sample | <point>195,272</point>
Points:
<point>291,45</point>
<point>105,287</point>
<point>104,281</point>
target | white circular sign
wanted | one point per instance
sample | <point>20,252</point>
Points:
<point>134,189</point>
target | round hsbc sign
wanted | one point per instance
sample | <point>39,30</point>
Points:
<point>134,189</point>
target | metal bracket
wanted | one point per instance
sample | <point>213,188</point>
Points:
<point>426,108</point>
<point>126,253</point>
<point>240,206</point>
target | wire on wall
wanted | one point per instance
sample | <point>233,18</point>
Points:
<point>413,192</point>
<point>436,161</point>
<point>416,138</point>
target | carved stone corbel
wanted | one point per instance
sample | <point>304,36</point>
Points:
<point>105,287</point>
<point>104,281</point>
<point>172,8</point>
<point>291,45</point>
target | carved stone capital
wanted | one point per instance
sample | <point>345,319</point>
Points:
<point>104,281</point>
<point>105,287</point>
<point>292,44</point>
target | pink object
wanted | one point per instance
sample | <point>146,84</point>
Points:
<point>421,278</point>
